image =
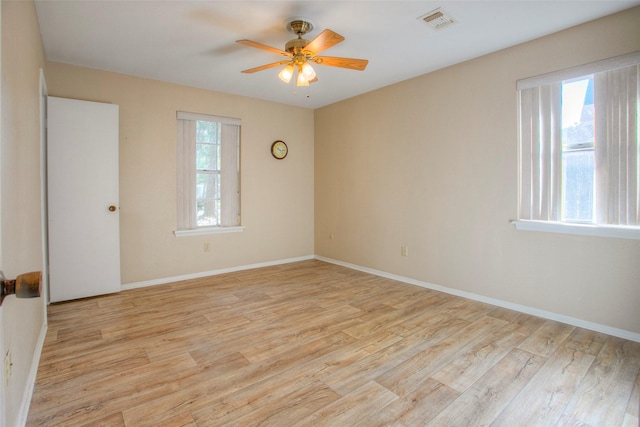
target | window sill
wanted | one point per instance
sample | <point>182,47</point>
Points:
<point>208,230</point>
<point>619,232</point>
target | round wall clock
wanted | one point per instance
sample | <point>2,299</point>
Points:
<point>279,150</point>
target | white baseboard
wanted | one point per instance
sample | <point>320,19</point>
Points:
<point>621,333</point>
<point>166,280</point>
<point>23,413</point>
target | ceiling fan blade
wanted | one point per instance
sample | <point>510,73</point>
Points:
<point>263,47</point>
<point>332,61</point>
<point>265,67</point>
<point>323,41</point>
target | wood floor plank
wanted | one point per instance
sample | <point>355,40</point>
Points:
<point>410,373</point>
<point>483,402</point>
<point>312,343</point>
<point>586,341</point>
<point>390,318</point>
<point>358,408</point>
<point>379,363</point>
<point>295,404</point>
<point>300,344</point>
<point>420,406</point>
<point>98,365</point>
<point>416,297</point>
<point>433,308</point>
<point>183,419</point>
<point>602,398</point>
<point>328,363</point>
<point>295,338</point>
<point>546,339</point>
<point>545,397</point>
<point>632,414</point>
<point>466,368</point>
<point>526,323</point>
<point>80,403</point>
<point>71,336</point>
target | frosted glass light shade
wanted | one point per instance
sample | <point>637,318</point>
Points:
<point>286,73</point>
<point>308,71</point>
<point>301,80</point>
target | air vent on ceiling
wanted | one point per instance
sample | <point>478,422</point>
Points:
<point>438,19</point>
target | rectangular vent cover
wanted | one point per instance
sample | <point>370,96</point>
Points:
<point>438,19</point>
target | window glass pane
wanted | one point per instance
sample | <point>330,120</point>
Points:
<point>207,132</point>
<point>208,199</point>
<point>578,140</point>
<point>207,156</point>
<point>577,112</point>
<point>577,185</point>
<point>207,213</point>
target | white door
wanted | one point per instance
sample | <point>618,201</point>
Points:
<point>84,229</point>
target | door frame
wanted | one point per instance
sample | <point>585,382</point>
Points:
<point>44,194</point>
<point>2,379</point>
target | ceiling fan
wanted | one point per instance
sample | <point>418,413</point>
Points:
<point>301,52</point>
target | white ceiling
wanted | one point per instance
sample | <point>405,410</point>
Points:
<point>193,42</point>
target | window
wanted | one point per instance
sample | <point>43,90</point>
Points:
<point>208,173</point>
<point>580,148</point>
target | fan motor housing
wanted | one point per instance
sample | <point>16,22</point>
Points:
<point>296,45</point>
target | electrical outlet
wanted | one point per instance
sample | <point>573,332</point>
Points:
<point>330,236</point>
<point>404,250</point>
<point>7,367</point>
<point>207,247</point>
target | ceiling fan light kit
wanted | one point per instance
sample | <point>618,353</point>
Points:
<point>301,52</point>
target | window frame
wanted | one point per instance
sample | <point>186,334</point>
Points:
<point>558,226</point>
<point>187,172</point>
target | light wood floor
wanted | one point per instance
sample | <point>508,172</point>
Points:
<point>312,343</point>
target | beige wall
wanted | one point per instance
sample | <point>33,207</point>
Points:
<point>21,231</point>
<point>431,163</point>
<point>277,196</point>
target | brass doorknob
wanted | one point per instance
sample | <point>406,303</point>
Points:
<point>112,208</point>
<point>28,285</point>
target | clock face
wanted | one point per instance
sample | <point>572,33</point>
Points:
<point>279,150</point>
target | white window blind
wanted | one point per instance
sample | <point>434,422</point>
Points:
<point>617,149</point>
<point>615,143</point>
<point>540,153</point>
<point>208,181</point>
